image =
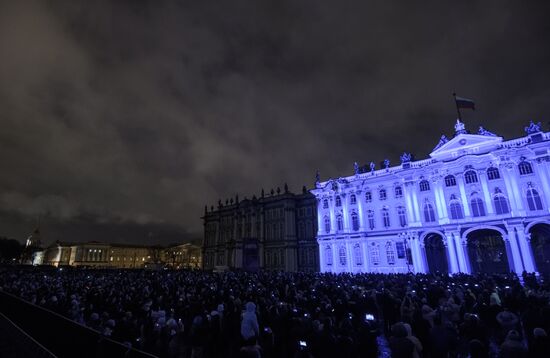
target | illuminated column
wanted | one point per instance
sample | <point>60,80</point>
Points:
<point>322,263</point>
<point>486,194</point>
<point>408,200</point>
<point>365,250</point>
<point>516,264</point>
<point>439,189</point>
<point>517,193</point>
<point>451,250</point>
<point>463,196</point>
<point>510,189</point>
<point>345,212</point>
<point>415,204</point>
<point>418,261</point>
<point>438,203</point>
<point>524,242</point>
<point>461,252</point>
<point>541,169</point>
<point>332,213</point>
<point>362,224</point>
<point>350,258</point>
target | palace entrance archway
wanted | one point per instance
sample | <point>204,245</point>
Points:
<point>540,243</point>
<point>487,252</point>
<point>436,253</point>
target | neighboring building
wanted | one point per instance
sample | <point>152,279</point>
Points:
<point>478,204</point>
<point>183,256</point>
<point>105,255</point>
<point>275,231</point>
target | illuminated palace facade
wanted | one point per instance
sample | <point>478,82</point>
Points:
<point>478,204</point>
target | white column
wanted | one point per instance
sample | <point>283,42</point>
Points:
<point>486,194</point>
<point>510,192</point>
<point>524,241</point>
<point>439,189</point>
<point>461,252</point>
<point>361,212</point>
<point>516,256</point>
<point>345,213</point>
<point>322,267</point>
<point>463,197</point>
<point>541,169</point>
<point>408,200</point>
<point>350,261</point>
<point>365,251</point>
<point>438,204</point>
<point>415,205</point>
<point>450,245</point>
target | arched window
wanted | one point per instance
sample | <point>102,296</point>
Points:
<point>374,254</point>
<point>342,255</point>
<point>325,203</point>
<point>386,217</point>
<point>429,214</point>
<point>338,201</point>
<point>476,203</point>
<point>328,255</point>
<point>352,199</point>
<point>382,194</point>
<point>470,177</point>
<point>401,213</point>
<point>493,173</point>
<point>368,196</point>
<point>501,203</point>
<point>357,255</point>
<point>455,208</point>
<point>424,185</point>
<point>390,253</point>
<point>340,223</point>
<point>525,168</point>
<point>327,224</point>
<point>398,192</point>
<point>354,221</point>
<point>370,215</point>
<point>450,180</point>
<point>533,199</point>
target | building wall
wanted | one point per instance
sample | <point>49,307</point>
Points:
<point>378,220</point>
<point>280,226</point>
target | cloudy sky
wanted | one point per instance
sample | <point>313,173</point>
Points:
<point>120,120</point>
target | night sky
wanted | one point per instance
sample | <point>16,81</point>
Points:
<point>120,120</point>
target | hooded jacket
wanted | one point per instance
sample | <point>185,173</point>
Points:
<point>249,324</point>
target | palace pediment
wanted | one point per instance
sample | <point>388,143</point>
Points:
<point>465,144</point>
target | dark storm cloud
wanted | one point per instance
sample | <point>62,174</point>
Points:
<point>138,113</point>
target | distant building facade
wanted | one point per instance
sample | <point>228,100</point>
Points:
<point>106,255</point>
<point>275,231</point>
<point>478,204</point>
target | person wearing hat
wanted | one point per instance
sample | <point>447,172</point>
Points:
<point>513,346</point>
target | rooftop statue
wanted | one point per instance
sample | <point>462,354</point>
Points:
<point>405,158</point>
<point>483,131</point>
<point>442,141</point>
<point>533,128</point>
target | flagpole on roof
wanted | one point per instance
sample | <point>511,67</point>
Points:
<point>457,108</point>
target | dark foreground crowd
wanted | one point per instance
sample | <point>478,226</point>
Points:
<point>276,314</point>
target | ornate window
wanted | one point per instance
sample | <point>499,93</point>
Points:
<point>424,185</point>
<point>327,224</point>
<point>533,199</point>
<point>398,192</point>
<point>368,197</point>
<point>382,194</point>
<point>374,254</point>
<point>476,203</point>
<point>501,203</point>
<point>525,168</point>
<point>372,223</point>
<point>429,214</point>
<point>325,203</point>
<point>352,199</point>
<point>455,208</point>
<point>450,180</point>
<point>390,253</point>
<point>342,255</point>
<point>386,217</point>
<point>328,255</point>
<point>470,177</point>
<point>400,248</point>
<point>354,221</point>
<point>401,213</point>
<point>340,223</point>
<point>493,173</point>
<point>338,201</point>
<point>358,254</point>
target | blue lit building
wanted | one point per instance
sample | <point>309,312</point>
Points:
<point>479,203</point>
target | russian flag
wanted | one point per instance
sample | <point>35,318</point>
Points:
<point>464,103</point>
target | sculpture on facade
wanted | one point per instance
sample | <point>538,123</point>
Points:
<point>405,158</point>
<point>483,131</point>
<point>533,128</point>
<point>442,141</point>
<point>317,177</point>
<point>356,168</point>
<point>387,164</point>
<point>372,167</point>
<point>460,128</point>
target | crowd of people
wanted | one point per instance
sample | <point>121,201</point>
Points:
<point>281,314</point>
